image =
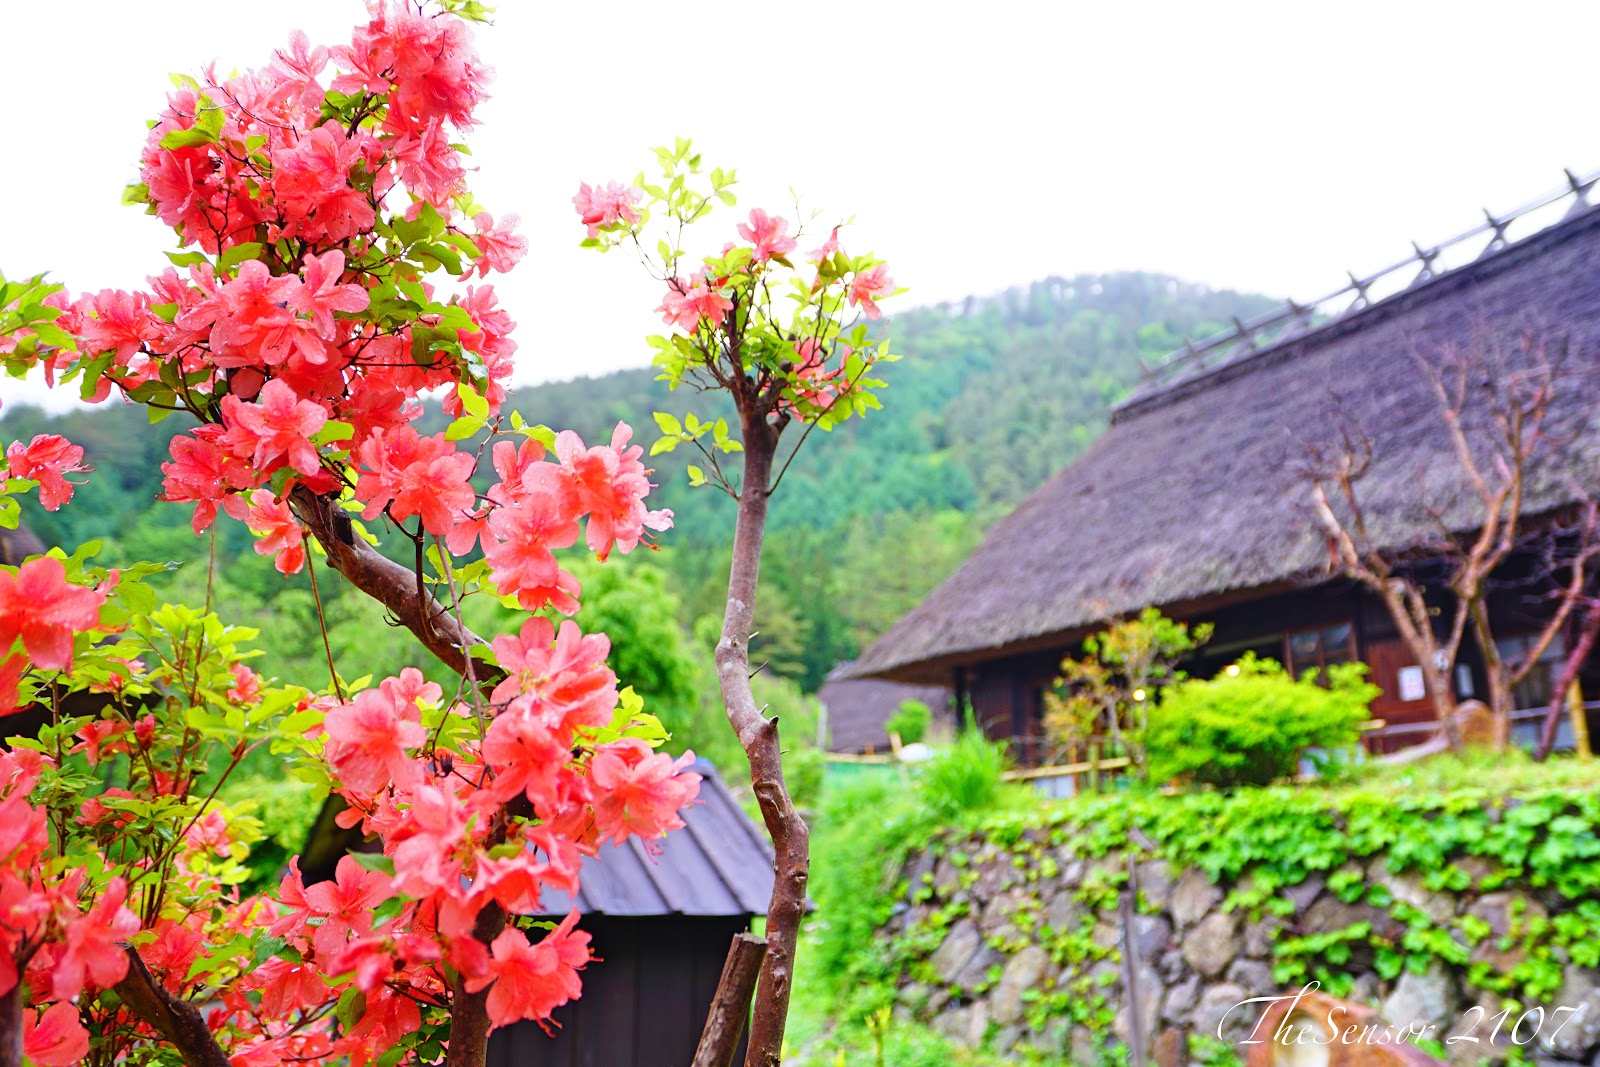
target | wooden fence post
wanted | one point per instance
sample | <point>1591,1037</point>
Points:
<point>1580,721</point>
<point>731,1006</point>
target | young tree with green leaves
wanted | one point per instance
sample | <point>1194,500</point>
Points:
<point>792,348</point>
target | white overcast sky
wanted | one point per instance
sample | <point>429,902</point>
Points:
<point>1264,146</point>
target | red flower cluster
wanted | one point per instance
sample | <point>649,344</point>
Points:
<point>56,942</point>
<point>299,309</point>
<point>434,816</point>
<point>302,329</point>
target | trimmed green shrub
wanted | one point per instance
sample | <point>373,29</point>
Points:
<point>1250,726</point>
<point>910,721</point>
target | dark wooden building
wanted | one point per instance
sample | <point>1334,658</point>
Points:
<point>661,926</point>
<point>1195,499</point>
<point>856,711</point>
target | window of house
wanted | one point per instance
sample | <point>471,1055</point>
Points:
<point>1319,649</point>
<point>1535,690</point>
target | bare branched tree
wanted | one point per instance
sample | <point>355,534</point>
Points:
<point>1494,400</point>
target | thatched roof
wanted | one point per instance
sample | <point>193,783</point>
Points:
<point>1197,490</point>
<point>858,709</point>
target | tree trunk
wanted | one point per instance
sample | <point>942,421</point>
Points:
<point>1577,655</point>
<point>1494,670</point>
<point>178,1021</point>
<point>400,589</point>
<point>469,1012</point>
<point>759,737</point>
<point>395,586</point>
<point>11,1027</point>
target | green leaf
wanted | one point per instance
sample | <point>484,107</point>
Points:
<point>463,428</point>
<point>374,861</point>
<point>333,430</point>
<point>471,402</point>
<point>187,259</point>
<point>238,254</point>
<point>187,138</point>
<point>665,444</point>
<point>668,423</point>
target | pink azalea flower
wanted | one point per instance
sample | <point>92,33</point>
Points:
<point>612,484</point>
<point>300,60</point>
<point>97,736</point>
<point>202,471</point>
<point>413,475</point>
<point>293,907</point>
<point>408,690</point>
<point>249,312</point>
<point>766,233</point>
<point>40,606</point>
<point>311,182</point>
<point>281,535</point>
<point>870,286</point>
<point>429,165</point>
<point>46,459</point>
<point>92,955</point>
<point>277,429</point>
<point>429,834</point>
<point>829,247</point>
<point>173,952</point>
<point>600,209</point>
<point>527,749</point>
<point>321,294</point>
<point>346,903</point>
<point>638,791</point>
<point>246,685</point>
<point>686,303</point>
<point>56,1038</point>
<point>118,322</point>
<point>12,668</point>
<point>288,987</point>
<point>531,981</point>
<point>502,249</point>
<point>367,742</point>
<point>522,535</point>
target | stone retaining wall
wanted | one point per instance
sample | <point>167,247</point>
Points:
<point>1020,949</point>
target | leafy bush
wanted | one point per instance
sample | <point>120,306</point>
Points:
<point>862,834</point>
<point>1250,726</point>
<point>1107,694</point>
<point>910,721</point>
<point>964,778</point>
<point>802,770</point>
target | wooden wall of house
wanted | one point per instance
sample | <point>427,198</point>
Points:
<point>644,1000</point>
<point>1006,693</point>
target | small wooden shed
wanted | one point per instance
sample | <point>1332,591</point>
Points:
<point>661,926</point>
<point>856,711</point>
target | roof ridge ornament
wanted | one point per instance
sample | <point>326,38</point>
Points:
<point>1426,258</point>
<point>1247,339</point>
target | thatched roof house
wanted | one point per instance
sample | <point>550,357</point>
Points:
<point>1196,498</point>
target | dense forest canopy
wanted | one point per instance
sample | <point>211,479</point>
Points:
<point>993,396</point>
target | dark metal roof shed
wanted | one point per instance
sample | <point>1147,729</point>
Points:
<point>720,863</point>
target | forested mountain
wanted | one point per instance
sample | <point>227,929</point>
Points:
<point>991,396</point>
